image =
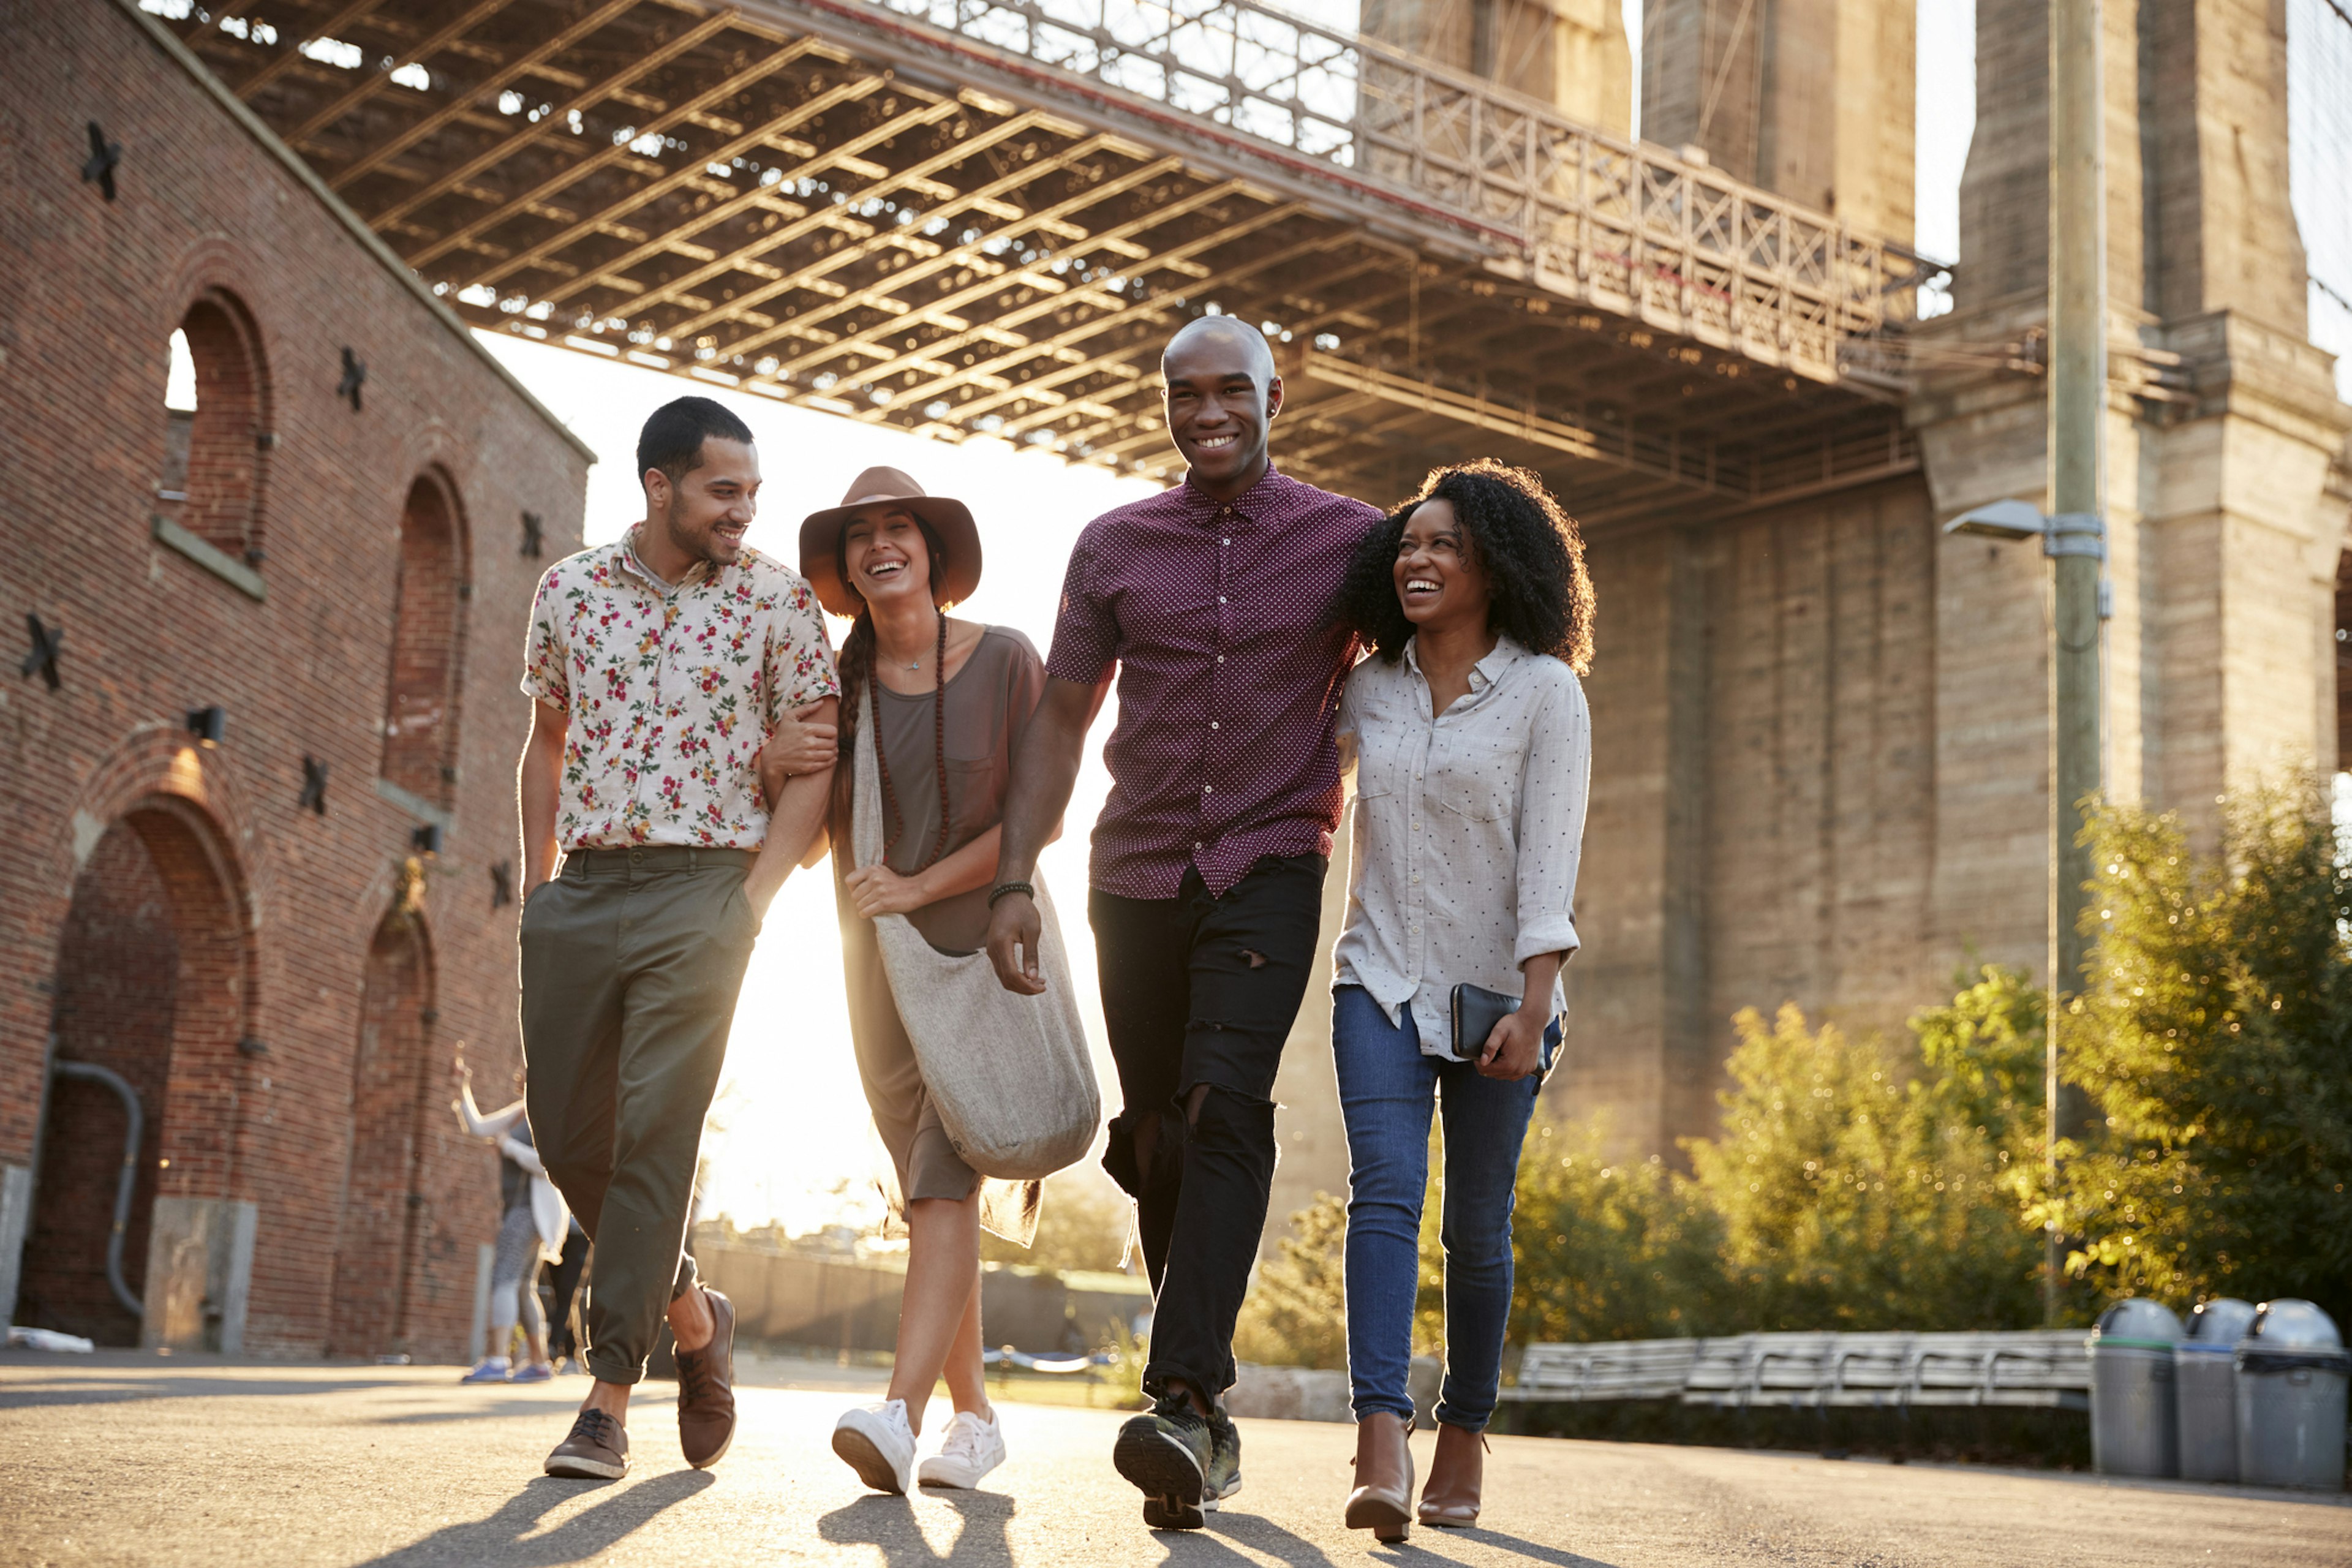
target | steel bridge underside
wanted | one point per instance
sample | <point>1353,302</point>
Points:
<point>839,204</point>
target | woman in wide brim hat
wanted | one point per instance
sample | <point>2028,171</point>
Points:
<point>950,698</point>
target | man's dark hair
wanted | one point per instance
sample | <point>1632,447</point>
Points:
<point>672,439</point>
<point>1534,557</point>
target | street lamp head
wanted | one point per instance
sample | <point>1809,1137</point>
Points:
<point>2010,520</point>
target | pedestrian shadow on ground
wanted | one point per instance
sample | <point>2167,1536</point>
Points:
<point>590,1532</point>
<point>1427,1543</point>
<point>890,1523</point>
<point>1258,1533</point>
<point>99,1387</point>
<point>491,1408</point>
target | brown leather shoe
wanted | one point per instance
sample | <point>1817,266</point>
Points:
<point>1455,1475</point>
<point>1382,1500</point>
<point>705,1389</point>
<point>597,1449</point>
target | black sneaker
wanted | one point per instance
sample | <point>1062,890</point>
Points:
<point>1167,1453</point>
<point>1225,1474</point>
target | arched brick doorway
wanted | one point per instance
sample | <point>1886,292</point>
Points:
<point>392,1084</point>
<point>150,985</point>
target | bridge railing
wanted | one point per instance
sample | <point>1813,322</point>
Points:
<point>1624,226</point>
<point>2034,1368</point>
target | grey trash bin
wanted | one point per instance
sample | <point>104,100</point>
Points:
<point>2205,1388</point>
<point>2292,1372</point>
<point>2132,1418</point>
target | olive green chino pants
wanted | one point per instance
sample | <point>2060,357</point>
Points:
<point>631,963</point>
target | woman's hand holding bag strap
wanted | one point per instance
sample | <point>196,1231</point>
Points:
<point>1011,1075</point>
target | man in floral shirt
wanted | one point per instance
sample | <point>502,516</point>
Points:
<point>658,666</point>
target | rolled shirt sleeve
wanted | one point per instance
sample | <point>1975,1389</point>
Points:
<point>546,675</point>
<point>1554,781</point>
<point>799,666</point>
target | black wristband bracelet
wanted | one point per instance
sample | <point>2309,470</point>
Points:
<point>1002,888</point>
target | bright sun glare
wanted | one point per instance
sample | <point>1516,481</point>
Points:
<point>790,1138</point>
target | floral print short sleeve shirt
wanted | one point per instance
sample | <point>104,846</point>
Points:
<point>671,692</point>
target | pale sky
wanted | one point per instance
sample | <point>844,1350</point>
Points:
<point>792,1139</point>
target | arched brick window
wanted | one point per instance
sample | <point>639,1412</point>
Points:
<point>420,722</point>
<point>215,415</point>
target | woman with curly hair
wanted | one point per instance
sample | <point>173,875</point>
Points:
<point>1471,746</point>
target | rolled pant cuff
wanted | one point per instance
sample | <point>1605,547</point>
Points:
<point>1365,1404</point>
<point>1447,1416</point>
<point>1159,1374</point>
<point>607,1369</point>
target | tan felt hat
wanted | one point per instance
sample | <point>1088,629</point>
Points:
<point>950,520</point>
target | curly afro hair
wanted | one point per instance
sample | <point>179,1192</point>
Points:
<point>1532,552</point>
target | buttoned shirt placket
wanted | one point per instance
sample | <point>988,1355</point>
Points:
<point>1426,737</point>
<point>649,770</point>
<point>1221,526</point>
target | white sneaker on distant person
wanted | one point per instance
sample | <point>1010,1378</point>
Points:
<point>490,1369</point>
<point>972,1445</point>
<point>879,1445</point>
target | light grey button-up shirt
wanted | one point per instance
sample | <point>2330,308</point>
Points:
<point>1467,831</point>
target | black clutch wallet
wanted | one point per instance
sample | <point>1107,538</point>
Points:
<point>1477,1011</point>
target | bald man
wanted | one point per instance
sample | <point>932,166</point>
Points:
<point>1215,604</point>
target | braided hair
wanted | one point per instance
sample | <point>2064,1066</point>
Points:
<point>855,664</point>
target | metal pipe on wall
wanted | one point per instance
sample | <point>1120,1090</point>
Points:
<point>90,1072</point>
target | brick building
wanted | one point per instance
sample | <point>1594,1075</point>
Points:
<point>295,576</point>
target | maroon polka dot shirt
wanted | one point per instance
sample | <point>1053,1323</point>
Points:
<point>1224,622</point>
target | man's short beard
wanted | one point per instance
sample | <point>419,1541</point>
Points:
<point>692,549</point>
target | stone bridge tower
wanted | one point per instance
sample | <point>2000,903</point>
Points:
<point>1830,721</point>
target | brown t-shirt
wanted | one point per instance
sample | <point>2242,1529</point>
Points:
<point>989,704</point>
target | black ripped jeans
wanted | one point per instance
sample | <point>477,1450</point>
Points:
<point>1199,990</point>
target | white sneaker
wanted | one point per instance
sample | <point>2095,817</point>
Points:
<point>970,1448</point>
<point>879,1445</point>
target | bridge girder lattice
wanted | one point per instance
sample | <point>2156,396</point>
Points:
<point>965,216</point>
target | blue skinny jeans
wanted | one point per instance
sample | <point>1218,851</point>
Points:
<point>1387,1091</point>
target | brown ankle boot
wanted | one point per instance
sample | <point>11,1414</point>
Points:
<point>1382,1500</point>
<point>1450,1499</point>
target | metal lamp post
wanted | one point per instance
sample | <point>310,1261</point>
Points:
<point>2073,534</point>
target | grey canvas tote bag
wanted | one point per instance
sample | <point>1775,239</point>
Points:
<point>1011,1075</point>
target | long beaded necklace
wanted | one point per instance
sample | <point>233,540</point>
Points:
<point>938,751</point>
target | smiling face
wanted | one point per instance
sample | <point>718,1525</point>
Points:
<point>1223,395</point>
<point>707,511</point>
<point>1439,580</point>
<point>885,556</point>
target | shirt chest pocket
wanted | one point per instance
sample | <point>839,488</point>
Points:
<point>1475,776</point>
<point>1385,752</point>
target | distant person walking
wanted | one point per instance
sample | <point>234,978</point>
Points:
<point>1217,605</point>
<point>531,1227</point>
<point>1472,747</point>
<point>950,700</point>
<point>658,665</point>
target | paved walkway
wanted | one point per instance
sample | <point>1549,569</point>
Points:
<point>123,1460</point>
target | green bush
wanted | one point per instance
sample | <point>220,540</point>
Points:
<point>1297,1311</point>
<point>2213,1045</point>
